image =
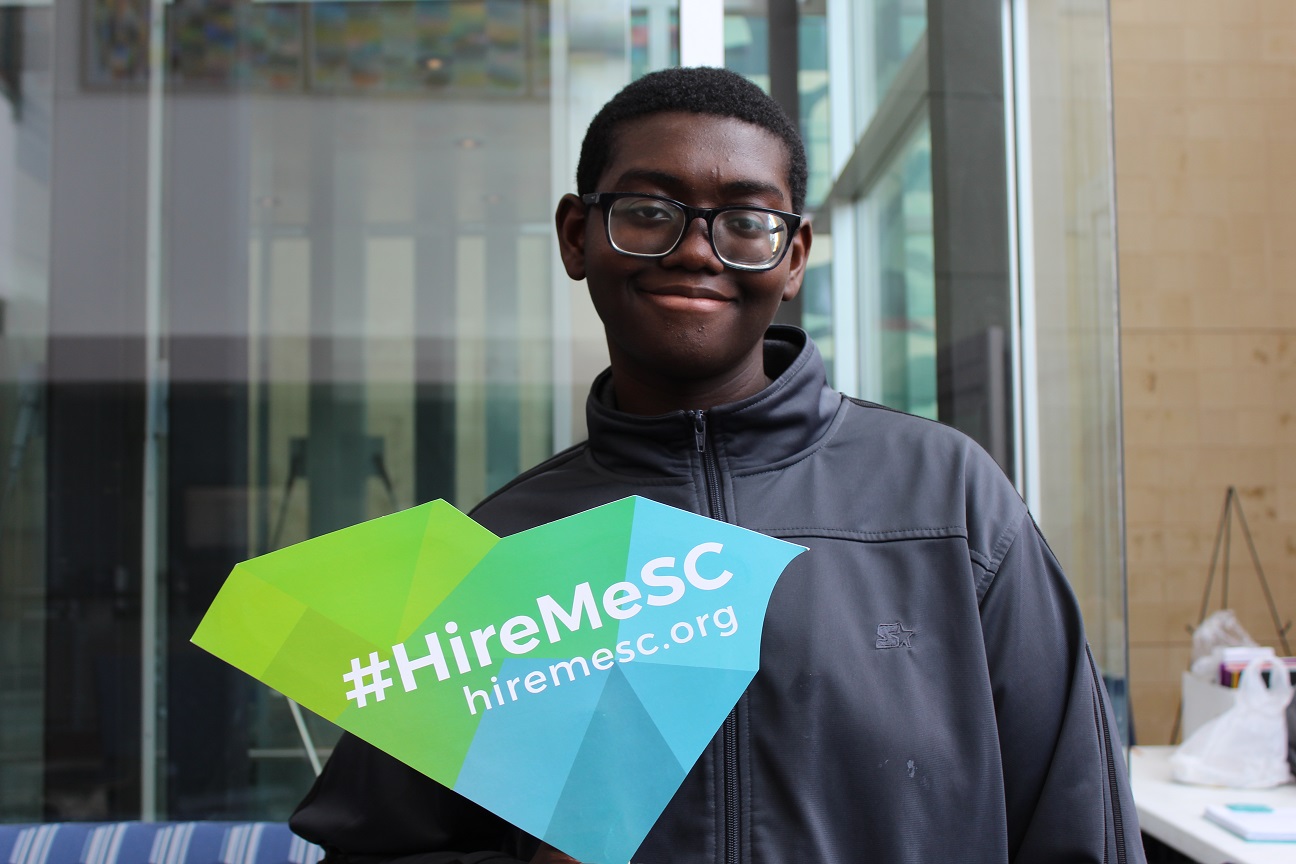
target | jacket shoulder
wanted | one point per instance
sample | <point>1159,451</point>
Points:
<point>550,490</point>
<point>925,473</point>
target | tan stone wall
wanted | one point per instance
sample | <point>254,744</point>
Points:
<point>1205,119</point>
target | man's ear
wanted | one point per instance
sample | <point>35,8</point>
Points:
<point>569,220</point>
<point>799,254</point>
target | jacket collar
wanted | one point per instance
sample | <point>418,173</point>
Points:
<point>786,418</point>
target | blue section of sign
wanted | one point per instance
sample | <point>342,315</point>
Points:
<point>620,781</point>
<point>710,624</point>
<point>713,693</point>
<point>524,747</point>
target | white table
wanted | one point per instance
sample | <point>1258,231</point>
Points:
<point>1172,813</point>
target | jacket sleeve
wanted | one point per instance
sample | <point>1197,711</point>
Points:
<point>1066,789</point>
<point>367,807</point>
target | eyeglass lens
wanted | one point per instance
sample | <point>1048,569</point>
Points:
<point>650,226</point>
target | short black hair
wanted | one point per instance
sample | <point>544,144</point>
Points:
<point>696,90</point>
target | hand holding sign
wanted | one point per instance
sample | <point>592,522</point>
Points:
<point>566,677</point>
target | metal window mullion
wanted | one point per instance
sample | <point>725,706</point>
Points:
<point>155,383</point>
<point>1022,252</point>
<point>561,178</point>
<point>840,224</point>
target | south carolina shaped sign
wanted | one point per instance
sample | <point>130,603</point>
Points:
<point>565,678</point>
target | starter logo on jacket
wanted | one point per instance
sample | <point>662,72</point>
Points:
<point>894,636</point>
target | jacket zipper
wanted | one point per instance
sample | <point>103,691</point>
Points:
<point>729,734</point>
<point>1118,821</point>
<point>715,502</point>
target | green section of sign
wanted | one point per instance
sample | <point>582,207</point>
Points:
<point>297,617</point>
<point>588,548</point>
<point>310,666</point>
<point>376,608</point>
<point>432,713</point>
<point>259,613</point>
<point>452,546</point>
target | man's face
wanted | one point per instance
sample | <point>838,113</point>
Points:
<point>685,322</point>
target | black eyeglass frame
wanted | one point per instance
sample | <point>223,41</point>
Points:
<point>590,199</point>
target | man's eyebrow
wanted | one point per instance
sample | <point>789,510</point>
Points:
<point>667,180</point>
<point>754,187</point>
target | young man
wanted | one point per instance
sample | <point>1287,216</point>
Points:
<point>925,691</point>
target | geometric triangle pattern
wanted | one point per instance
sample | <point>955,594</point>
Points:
<point>566,677</point>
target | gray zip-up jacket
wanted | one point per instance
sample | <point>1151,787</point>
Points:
<point>925,692</point>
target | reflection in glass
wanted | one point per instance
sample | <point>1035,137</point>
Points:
<point>1073,471</point>
<point>399,325</point>
<point>654,36</point>
<point>355,209</point>
<point>891,29</point>
<point>25,98</point>
<point>479,48</point>
<point>898,309</point>
<point>814,99</point>
<point>898,24</point>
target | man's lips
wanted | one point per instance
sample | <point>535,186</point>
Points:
<point>686,292</point>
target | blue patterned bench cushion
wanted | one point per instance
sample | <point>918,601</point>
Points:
<point>155,843</point>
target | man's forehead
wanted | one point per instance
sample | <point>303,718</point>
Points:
<point>666,139</point>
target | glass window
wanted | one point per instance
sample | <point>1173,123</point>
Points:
<point>897,291</point>
<point>26,91</point>
<point>300,277</point>
<point>395,310</point>
<point>814,104</point>
<point>654,36</point>
<point>1073,465</point>
<point>890,29</point>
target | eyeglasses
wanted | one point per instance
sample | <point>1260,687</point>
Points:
<point>651,226</point>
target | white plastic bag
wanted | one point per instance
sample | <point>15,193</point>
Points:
<point>1218,631</point>
<point>1246,746</point>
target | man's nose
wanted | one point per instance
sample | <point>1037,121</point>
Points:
<point>694,251</point>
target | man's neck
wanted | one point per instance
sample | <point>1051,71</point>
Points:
<point>635,395</point>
